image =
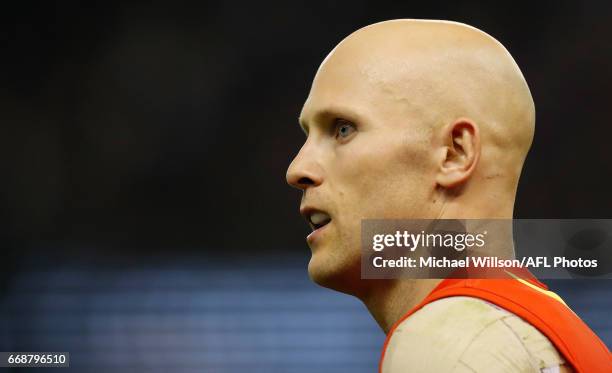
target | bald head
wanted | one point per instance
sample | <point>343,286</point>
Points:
<point>426,74</point>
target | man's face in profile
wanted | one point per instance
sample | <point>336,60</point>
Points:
<point>365,156</point>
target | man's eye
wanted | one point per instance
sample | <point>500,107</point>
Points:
<point>344,128</point>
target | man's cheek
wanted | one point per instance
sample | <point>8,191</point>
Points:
<point>367,177</point>
<point>348,225</point>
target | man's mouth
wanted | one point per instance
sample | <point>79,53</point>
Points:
<point>318,219</point>
<point>315,218</point>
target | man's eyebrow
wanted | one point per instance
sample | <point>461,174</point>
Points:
<point>325,114</point>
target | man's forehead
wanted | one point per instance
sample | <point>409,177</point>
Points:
<point>360,87</point>
<point>333,90</point>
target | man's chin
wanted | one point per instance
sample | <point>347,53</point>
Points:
<point>335,276</point>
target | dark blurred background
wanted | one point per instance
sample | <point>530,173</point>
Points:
<point>143,156</point>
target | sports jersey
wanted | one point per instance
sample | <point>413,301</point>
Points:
<point>522,295</point>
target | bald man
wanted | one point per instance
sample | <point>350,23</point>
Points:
<point>416,119</point>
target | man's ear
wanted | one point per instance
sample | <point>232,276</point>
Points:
<point>461,142</point>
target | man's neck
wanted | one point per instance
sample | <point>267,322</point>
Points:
<point>391,300</point>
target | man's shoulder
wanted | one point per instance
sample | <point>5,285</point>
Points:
<point>449,313</point>
<point>462,333</point>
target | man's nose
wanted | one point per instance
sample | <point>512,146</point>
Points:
<point>304,171</point>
